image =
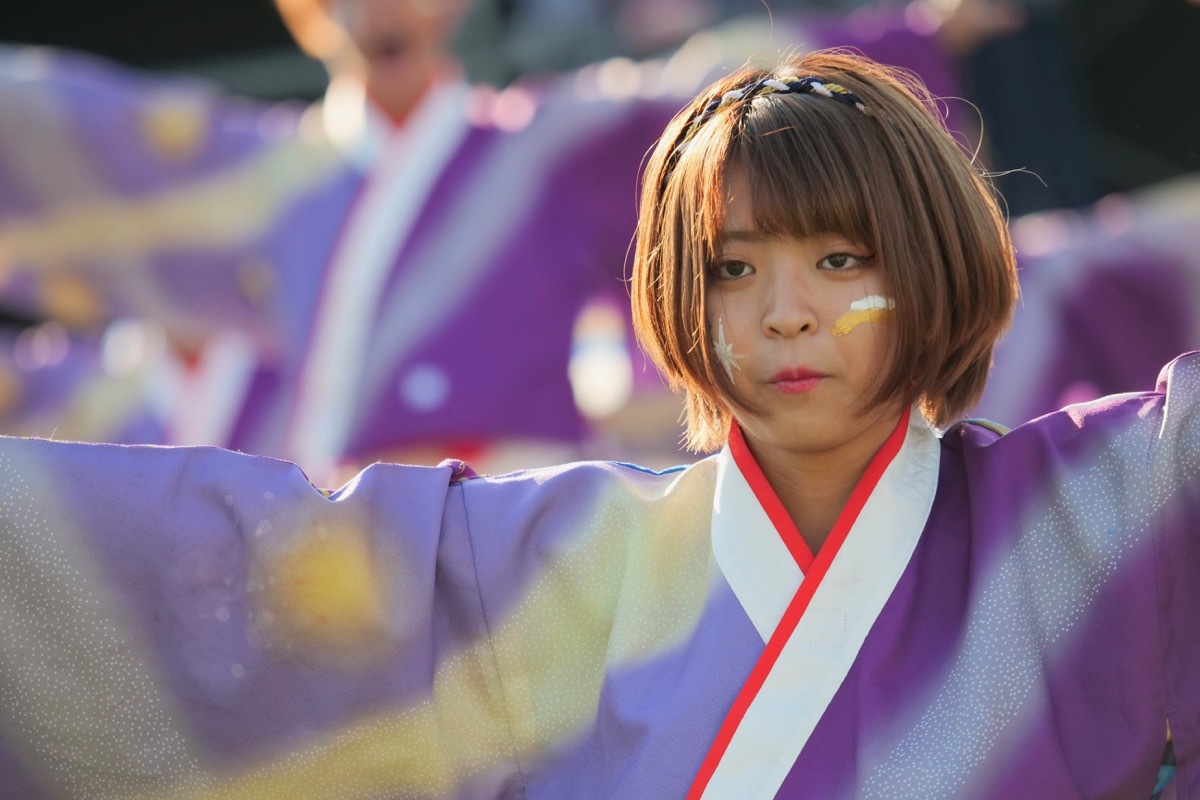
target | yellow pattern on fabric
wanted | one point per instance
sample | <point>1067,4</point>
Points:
<point>70,299</point>
<point>324,595</point>
<point>631,585</point>
<point>630,589</point>
<point>174,129</point>
<point>226,210</point>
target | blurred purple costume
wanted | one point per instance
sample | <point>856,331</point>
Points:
<point>1107,295</point>
<point>1007,617</point>
<point>411,270</point>
<point>369,290</point>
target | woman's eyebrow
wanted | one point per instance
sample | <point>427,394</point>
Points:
<point>752,235</point>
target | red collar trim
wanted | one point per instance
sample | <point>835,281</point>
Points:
<point>808,587</point>
<point>768,499</point>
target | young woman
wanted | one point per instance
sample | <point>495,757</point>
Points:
<point>854,597</point>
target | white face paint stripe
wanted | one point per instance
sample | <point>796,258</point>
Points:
<point>873,301</point>
<point>724,350</point>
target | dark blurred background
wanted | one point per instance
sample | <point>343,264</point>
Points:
<point>1133,65</point>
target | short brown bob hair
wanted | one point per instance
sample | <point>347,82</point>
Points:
<point>892,178</point>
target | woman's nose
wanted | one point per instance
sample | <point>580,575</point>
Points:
<point>789,311</point>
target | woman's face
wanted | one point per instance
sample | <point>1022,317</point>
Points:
<point>803,329</point>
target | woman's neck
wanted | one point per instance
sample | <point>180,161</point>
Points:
<point>815,486</point>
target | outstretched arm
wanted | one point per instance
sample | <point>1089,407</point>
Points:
<point>194,622</point>
<point>128,194</point>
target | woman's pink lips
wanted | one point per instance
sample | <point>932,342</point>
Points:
<point>796,381</point>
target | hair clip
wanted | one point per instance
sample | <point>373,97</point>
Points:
<point>765,86</point>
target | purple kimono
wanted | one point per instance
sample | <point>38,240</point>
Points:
<point>992,617</point>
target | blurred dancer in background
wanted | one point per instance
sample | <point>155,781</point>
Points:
<point>1105,290</point>
<point>392,273</point>
<point>395,271</point>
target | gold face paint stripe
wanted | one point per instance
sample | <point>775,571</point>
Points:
<point>872,308</point>
<point>852,319</point>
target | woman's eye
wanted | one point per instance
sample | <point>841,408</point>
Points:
<point>731,270</point>
<point>841,261</point>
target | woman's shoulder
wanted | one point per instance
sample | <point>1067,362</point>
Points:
<point>620,504</point>
<point>1171,406</point>
<point>1116,445</point>
<point>603,514</point>
<point>582,479</point>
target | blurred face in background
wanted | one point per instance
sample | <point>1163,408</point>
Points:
<point>395,47</point>
<point>400,45</point>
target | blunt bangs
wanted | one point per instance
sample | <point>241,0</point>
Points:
<point>803,156</point>
<point>805,182</point>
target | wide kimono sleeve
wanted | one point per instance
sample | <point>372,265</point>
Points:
<point>192,622</point>
<point>1174,477</point>
<point>123,193</point>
